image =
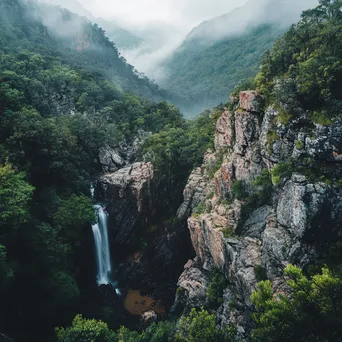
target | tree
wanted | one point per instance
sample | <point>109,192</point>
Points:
<point>199,326</point>
<point>73,215</point>
<point>6,273</point>
<point>85,330</point>
<point>310,311</point>
<point>15,194</point>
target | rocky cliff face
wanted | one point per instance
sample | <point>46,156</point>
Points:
<point>263,199</point>
<point>129,198</point>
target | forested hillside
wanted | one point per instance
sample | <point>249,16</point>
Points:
<point>68,37</point>
<point>220,52</point>
<point>123,39</point>
<point>207,74</point>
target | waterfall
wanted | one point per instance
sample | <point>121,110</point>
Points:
<point>100,232</point>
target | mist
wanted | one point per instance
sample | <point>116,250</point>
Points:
<point>149,58</point>
<point>163,27</point>
<point>281,13</point>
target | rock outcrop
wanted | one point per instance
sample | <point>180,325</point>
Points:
<point>114,159</point>
<point>129,196</point>
<point>250,229</point>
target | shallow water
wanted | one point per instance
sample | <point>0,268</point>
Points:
<point>136,304</point>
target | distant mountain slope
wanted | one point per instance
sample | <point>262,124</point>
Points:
<point>220,52</point>
<point>208,76</point>
<point>123,39</point>
<point>57,32</point>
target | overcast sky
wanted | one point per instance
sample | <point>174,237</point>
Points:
<point>184,13</point>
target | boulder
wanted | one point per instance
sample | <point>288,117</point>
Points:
<point>148,318</point>
<point>110,159</point>
<point>192,288</point>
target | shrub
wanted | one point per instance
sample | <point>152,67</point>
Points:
<point>321,118</point>
<point>238,190</point>
<point>299,145</point>
<point>215,289</point>
<point>311,311</point>
<point>282,171</point>
<point>200,209</point>
<point>228,233</point>
<point>199,326</point>
<point>86,330</point>
<point>260,273</point>
<point>271,137</point>
<point>179,291</point>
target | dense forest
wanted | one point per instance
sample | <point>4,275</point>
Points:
<point>207,74</point>
<point>60,101</point>
<point>65,95</point>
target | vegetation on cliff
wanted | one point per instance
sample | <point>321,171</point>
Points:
<point>303,69</point>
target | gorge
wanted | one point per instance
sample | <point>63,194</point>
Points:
<point>122,221</point>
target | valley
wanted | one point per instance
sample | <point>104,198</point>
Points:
<point>202,206</point>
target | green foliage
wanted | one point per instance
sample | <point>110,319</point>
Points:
<point>238,190</point>
<point>212,168</point>
<point>210,195</point>
<point>179,291</point>
<point>283,118</point>
<point>299,145</point>
<point>200,209</point>
<point>126,335</point>
<point>6,273</point>
<point>303,73</point>
<point>282,171</point>
<point>261,192</point>
<point>73,215</point>
<point>207,72</point>
<point>176,150</point>
<point>260,273</point>
<point>15,194</point>
<point>312,311</point>
<point>199,326</point>
<point>159,332</point>
<point>321,118</point>
<point>86,330</point>
<point>228,233</point>
<point>215,289</point>
<point>61,100</point>
<point>271,137</point>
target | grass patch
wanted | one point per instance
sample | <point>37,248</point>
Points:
<point>271,137</point>
<point>210,195</point>
<point>200,209</point>
<point>228,233</point>
<point>321,118</point>
<point>299,145</point>
<point>282,171</point>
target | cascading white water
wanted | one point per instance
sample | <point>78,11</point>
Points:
<point>100,232</point>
